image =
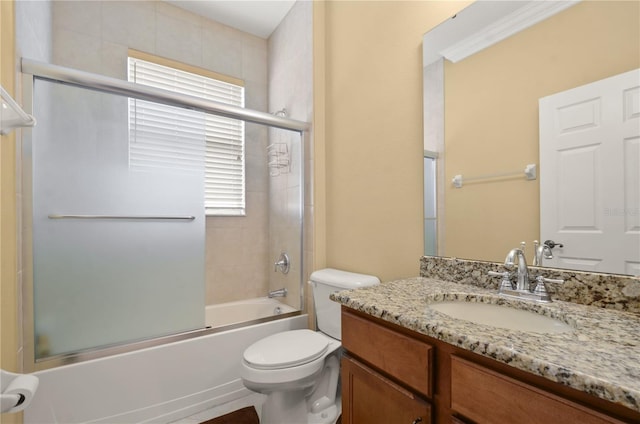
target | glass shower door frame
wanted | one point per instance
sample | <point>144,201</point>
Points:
<point>35,70</point>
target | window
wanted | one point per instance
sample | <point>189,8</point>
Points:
<point>167,137</point>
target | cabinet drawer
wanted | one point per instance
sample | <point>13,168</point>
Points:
<point>486,396</point>
<point>405,358</point>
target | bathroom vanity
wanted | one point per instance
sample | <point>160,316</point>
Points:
<point>408,363</point>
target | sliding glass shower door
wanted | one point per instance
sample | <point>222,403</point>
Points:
<point>118,249</point>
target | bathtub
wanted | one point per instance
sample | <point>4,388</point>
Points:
<point>159,384</point>
<point>231,313</point>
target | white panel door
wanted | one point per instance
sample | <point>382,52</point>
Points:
<point>590,175</point>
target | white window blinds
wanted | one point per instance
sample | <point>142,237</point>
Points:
<point>167,137</point>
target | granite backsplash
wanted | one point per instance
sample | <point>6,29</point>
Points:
<point>612,291</point>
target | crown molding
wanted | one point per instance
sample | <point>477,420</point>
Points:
<point>497,29</point>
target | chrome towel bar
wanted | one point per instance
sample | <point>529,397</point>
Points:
<point>530,172</point>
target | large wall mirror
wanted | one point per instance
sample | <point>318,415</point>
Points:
<point>483,117</point>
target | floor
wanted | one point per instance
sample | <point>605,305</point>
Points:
<point>255,399</point>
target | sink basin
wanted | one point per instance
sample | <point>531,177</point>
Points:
<point>501,317</point>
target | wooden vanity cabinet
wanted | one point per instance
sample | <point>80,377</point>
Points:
<point>393,375</point>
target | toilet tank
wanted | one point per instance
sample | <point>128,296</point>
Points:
<point>327,281</point>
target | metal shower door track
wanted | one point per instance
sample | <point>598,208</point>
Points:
<point>106,84</point>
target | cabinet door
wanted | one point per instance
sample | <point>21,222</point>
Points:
<point>370,398</point>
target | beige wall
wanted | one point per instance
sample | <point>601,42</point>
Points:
<point>8,257</point>
<point>9,344</point>
<point>369,94</point>
<point>491,124</point>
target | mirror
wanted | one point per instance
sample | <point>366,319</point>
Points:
<point>482,118</point>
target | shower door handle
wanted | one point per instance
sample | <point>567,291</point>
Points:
<point>126,217</point>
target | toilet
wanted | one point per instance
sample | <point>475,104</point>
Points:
<point>299,370</point>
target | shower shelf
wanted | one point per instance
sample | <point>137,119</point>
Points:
<point>278,159</point>
<point>11,114</point>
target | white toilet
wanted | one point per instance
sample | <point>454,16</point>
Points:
<point>299,370</point>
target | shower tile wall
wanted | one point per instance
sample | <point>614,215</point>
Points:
<point>291,87</point>
<point>95,36</point>
<point>33,29</point>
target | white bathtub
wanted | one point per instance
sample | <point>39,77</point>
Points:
<point>159,384</point>
<point>244,310</point>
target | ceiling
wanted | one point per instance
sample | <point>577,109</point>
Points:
<point>257,17</point>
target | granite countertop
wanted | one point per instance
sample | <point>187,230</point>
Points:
<point>600,357</point>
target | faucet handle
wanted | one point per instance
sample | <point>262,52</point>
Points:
<point>506,283</point>
<point>541,288</point>
<point>282,264</point>
<point>541,279</point>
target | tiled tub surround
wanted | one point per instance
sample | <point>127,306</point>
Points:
<point>599,357</point>
<point>611,291</point>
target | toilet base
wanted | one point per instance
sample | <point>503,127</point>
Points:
<point>284,408</point>
<point>290,408</point>
<point>327,416</point>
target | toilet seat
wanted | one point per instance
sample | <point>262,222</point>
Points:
<point>285,350</point>
<point>292,376</point>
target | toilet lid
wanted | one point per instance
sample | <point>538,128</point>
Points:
<point>286,349</point>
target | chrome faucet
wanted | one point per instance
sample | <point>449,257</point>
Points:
<point>522,289</point>
<point>278,293</point>
<point>522,282</point>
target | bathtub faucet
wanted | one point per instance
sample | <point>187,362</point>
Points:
<point>278,293</point>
